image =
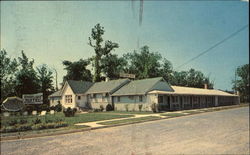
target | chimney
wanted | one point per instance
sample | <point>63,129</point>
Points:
<point>205,86</point>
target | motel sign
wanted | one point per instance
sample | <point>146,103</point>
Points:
<point>33,98</point>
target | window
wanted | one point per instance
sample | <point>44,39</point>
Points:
<point>118,99</point>
<point>160,99</point>
<point>140,98</point>
<point>94,95</point>
<point>174,99</point>
<point>68,98</point>
<point>131,97</point>
<point>79,97</point>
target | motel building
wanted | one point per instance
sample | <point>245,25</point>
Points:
<point>139,95</point>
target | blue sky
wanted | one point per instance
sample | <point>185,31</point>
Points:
<point>51,32</point>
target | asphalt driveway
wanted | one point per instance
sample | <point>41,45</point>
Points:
<point>221,132</point>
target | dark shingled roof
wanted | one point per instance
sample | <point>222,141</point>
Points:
<point>140,87</point>
<point>107,87</point>
<point>56,94</point>
<point>79,87</point>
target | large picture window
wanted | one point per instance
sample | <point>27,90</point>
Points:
<point>68,98</point>
<point>140,98</point>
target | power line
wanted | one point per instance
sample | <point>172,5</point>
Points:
<point>215,45</point>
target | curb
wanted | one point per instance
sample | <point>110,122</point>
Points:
<point>9,138</point>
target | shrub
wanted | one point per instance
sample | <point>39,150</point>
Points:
<point>37,121</point>
<point>101,107</point>
<point>69,112</point>
<point>155,107</point>
<point>96,110</point>
<point>23,127</point>
<point>109,107</point>
<point>58,107</point>
<point>23,121</point>
<point>126,107</point>
<point>140,107</point>
<point>52,108</point>
<point>13,122</point>
<point>29,109</point>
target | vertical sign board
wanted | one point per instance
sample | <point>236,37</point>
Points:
<point>33,98</point>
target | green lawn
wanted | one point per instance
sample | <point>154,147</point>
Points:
<point>173,114</point>
<point>132,120</point>
<point>78,118</point>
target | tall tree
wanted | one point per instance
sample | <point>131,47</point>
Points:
<point>26,77</point>
<point>45,81</point>
<point>144,64</point>
<point>112,65</point>
<point>8,68</point>
<point>167,70</point>
<point>100,51</point>
<point>77,70</point>
<point>242,83</point>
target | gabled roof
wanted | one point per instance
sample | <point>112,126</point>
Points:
<point>178,90</point>
<point>78,87</point>
<point>56,94</point>
<point>107,86</point>
<point>141,87</point>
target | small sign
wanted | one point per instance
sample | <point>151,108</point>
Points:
<point>33,98</point>
<point>131,76</point>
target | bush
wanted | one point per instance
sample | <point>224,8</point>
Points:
<point>23,127</point>
<point>101,107</point>
<point>69,112</point>
<point>109,107</point>
<point>13,122</point>
<point>126,107</point>
<point>140,107</point>
<point>58,107</point>
<point>37,121</point>
<point>23,121</point>
<point>29,109</point>
<point>52,108</point>
<point>155,107</point>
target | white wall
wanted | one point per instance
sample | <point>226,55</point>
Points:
<point>68,91</point>
<point>132,103</point>
<point>98,100</point>
<point>82,101</point>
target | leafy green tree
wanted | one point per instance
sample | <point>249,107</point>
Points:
<point>77,70</point>
<point>191,78</point>
<point>112,65</point>
<point>144,64</point>
<point>167,70</point>
<point>45,79</point>
<point>8,68</point>
<point>100,51</point>
<point>242,83</point>
<point>26,77</point>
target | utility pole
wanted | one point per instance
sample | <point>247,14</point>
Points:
<point>56,80</point>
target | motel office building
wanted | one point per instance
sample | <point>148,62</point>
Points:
<point>135,95</point>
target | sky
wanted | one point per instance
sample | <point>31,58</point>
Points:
<point>53,31</point>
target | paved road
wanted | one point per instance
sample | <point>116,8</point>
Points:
<point>222,132</point>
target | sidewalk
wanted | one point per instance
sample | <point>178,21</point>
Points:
<point>97,123</point>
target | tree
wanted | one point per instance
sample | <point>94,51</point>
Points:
<point>77,70</point>
<point>112,65</point>
<point>100,51</point>
<point>26,77</point>
<point>191,78</point>
<point>8,68</point>
<point>144,64</point>
<point>45,82</point>
<point>167,70</point>
<point>242,83</point>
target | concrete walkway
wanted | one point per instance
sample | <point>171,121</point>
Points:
<point>97,123</point>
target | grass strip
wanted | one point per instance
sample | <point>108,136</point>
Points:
<point>173,114</point>
<point>133,120</point>
<point>127,112</point>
